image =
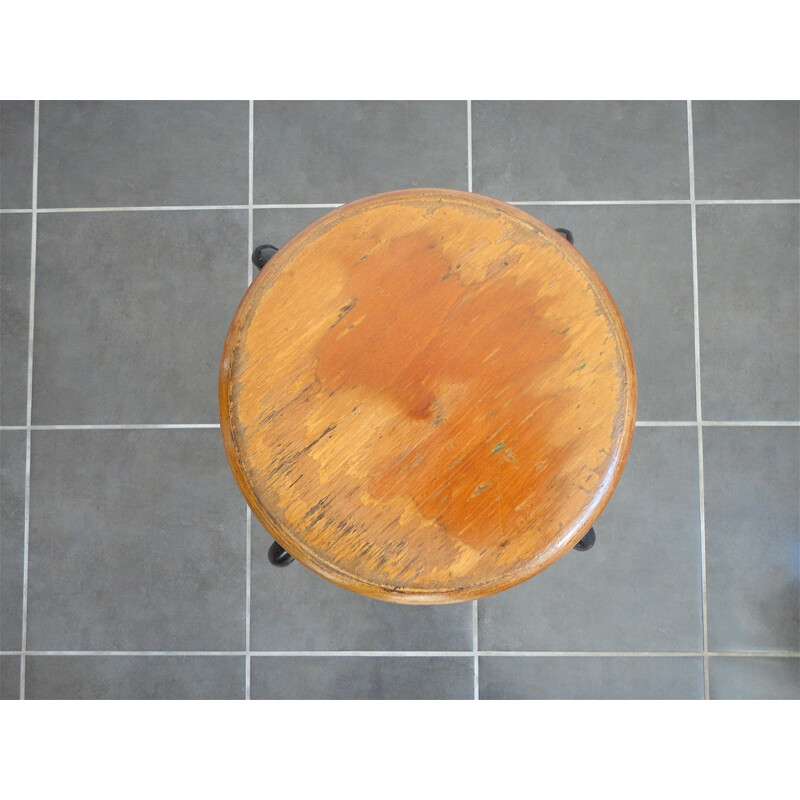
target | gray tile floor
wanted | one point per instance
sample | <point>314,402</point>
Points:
<point>131,567</point>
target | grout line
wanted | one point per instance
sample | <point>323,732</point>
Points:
<point>121,427</point>
<point>365,653</point>
<point>260,654</point>
<point>698,398</point>
<point>469,145</point>
<point>29,402</point>
<point>250,181</point>
<point>475,651</point>
<point>248,571</point>
<point>298,205</point>
<point>770,201</point>
<point>119,653</point>
<point>585,654</point>
<point>647,202</point>
<point>774,654</point>
<point>669,424</point>
<point>248,525</point>
<point>409,653</point>
<point>104,209</point>
<point>706,423</point>
<point>597,202</point>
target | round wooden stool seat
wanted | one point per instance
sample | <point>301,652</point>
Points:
<point>427,396</point>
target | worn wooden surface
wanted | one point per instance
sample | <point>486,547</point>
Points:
<point>427,396</point>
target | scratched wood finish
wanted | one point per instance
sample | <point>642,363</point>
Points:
<point>427,396</point>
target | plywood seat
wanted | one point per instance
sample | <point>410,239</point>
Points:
<point>427,396</point>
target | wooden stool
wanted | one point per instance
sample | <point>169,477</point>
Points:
<point>427,396</point>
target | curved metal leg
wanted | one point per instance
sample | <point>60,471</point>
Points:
<point>587,543</point>
<point>262,254</point>
<point>278,557</point>
<point>566,234</point>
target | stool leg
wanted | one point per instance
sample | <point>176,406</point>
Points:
<point>566,234</point>
<point>262,254</point>
<point>587,543</point>
<point>278,557</point>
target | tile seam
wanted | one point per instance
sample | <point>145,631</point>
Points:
<point>29,400</point>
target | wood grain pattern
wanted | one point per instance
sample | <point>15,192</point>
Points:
<point>427,396</point>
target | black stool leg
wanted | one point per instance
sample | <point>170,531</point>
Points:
<point>262,254</point>
<point>566,234</point>
<point>278,556</point>
<point>587,543</point>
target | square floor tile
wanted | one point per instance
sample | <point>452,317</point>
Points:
<point>335,151</point>
<point>361,678</point>
<point>132,310</point>
<point>748,259</point>
<point>753,678</point>
<point>12,536</point>
<point>746,149</point>
<point>15,283</point>
<point>751,479</point>
<point>292,608</point>
<point>134,677</point>
<point>135,153</point>
<point>638,589</point>
<point>591,678</point>
<point>16,153</point>
<point>9,677</point>
<point>643,254</point>
<point>618,150</point>
<point>137,542</point>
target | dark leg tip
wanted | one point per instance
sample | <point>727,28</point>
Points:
<point>262,254</point>
<point>587,543</point>
<point>278,556</point>
<point>566,234</point>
